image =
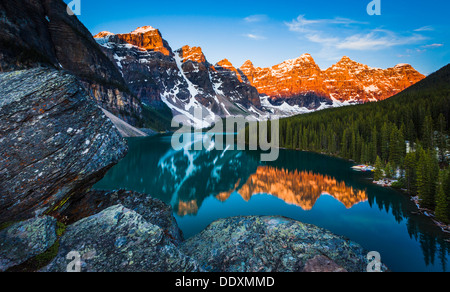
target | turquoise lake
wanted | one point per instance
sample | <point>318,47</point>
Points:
<point>203,186</point>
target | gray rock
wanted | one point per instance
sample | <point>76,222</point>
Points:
<point>322,264</point>
<point>125,129</point>
<point>54,142</point>
<point>152,210</point>
<point>270,244</point>
<point>26,239</point>
<point>120,240</point>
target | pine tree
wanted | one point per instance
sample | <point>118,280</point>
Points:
<point>344,144</point>
<point>427,133</point>
<point>289,134</point>
<point>401,147</point>
<point>423,178</point>
<point>374,145</point>
<point>394,152</point>
<point>295,139</point>
<point>434,173</point>
<point>304,140</point>
<point>427,177</point>
<point>410,166</point>
<point>447,190</point>
<point>385,135</point>
<point>442,201</point>
<point>442,138</point>
<point>353,146</point>
<point>378,175</point>
<point>389,170</point>
<point>364,152</point>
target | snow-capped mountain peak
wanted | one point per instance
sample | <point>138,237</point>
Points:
<point>143,29</point>
<point>103,34</point>
<point>185,81</point>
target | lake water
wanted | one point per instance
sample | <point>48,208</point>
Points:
<point>203,186</point>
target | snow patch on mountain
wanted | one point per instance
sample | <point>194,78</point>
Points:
<point>286,110</point>
<point>143,29</point>
<point>371,88</point>
<point>191,87</point>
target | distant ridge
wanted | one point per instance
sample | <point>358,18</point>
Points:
<point>183,79</point>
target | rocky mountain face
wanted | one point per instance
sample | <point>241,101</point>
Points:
<point>300,82</point>
<point>349,80</point>
<point>41,33</point>
<point>292,77</point>
<point>183,80</point>
<point>55,143</point>
<point>147,38</point>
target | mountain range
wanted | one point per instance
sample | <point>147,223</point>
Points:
<point>345,81</point>
<point>138,78</point>
<point>184,79</point>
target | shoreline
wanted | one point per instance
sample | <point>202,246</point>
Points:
<point>431,214</point>
<point>420,211</point>
<point>387,183</point>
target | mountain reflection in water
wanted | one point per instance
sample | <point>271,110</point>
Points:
<point>300,188</point>
<point>203,186</point>
<point>188,174</point>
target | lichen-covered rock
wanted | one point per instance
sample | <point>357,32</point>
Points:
<point>322,264</point>
<point>152,210</point>
<point>270,244</point>
<point>54,142</point>
<point>24,240</point>
<point>120,240</point>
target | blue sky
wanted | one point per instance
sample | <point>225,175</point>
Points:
<point>268,32</point>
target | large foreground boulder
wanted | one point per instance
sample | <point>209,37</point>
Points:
<point>54,142</point>
<point>120,240</point>
<point>24,240</point>
<point>152,210</point>
<point>273,244</point>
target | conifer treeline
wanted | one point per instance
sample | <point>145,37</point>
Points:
<point>407,132</point>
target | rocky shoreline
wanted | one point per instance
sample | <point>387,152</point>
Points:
<point>388,183</point>
<point>430,214</point>
<point>144,237</point>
